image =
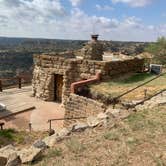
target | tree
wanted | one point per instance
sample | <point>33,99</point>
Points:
<point>158,50</point>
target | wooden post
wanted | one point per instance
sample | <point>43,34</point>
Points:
<point>1,86</point>
<point>49,125</point>
<point>1,125</point>
<point>30,127</point>
<point>51,131</point>
<point>19,82</point>
<point>145,93</point>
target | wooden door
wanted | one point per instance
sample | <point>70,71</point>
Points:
<point>58,87</point>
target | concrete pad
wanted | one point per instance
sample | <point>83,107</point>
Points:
<point>19,99</point>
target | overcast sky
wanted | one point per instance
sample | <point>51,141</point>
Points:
<point>131,20</point>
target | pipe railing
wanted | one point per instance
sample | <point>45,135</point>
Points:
<point>146,99</point>
<point>114,100</point>
<point>59,119</point>
<point>18,79</point>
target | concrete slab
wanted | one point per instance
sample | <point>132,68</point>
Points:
<point>19,99</point>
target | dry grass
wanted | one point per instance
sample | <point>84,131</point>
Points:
<point>139,140</point>
<point>19,138</point>
<point>116,87</point>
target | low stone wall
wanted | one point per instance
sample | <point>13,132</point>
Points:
<point>78,106</point>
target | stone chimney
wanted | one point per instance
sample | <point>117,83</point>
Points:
<point>93,50</point>
<point>94,37</point>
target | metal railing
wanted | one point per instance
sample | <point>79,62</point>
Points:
<point>59,119</point>
<point>19,82</point>
<point>146,99</point>
<point>115,100</point>
<point>16,113</point>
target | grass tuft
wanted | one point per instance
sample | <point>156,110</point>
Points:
<point>137,78</point>
<point>57,152</point>
<point>7,133</point>
<point>111,136</point>
<point>75,146</point>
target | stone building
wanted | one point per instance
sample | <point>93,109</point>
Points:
<point>54,73</point>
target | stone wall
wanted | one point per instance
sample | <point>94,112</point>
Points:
<point>43,77</point>
<point>78,106</point>
<point>74,70</point>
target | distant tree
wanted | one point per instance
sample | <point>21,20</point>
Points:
<point>158,50</point>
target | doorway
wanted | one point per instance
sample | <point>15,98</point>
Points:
<point>58,86</point>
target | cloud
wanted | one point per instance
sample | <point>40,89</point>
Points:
<point>132,22</point>
<point>134,3</point>
<point>76,2</point>
<point>11,3</point>
<point>48,19</point>
<point>105,7</point>
<point>38,10</point>
<point>3,21</point>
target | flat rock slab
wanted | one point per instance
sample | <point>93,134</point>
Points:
<point>29,155</point>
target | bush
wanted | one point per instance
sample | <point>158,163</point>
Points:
<point>158,49</point>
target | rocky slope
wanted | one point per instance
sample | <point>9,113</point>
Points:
<point>116,137</point>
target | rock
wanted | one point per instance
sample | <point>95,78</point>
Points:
<point>7,151</point>
<point>118,113</point>
<point>79,127</point>
<point>63,132</point>
<point>93,121</point>
<point>161,103</point>
<point>30,154</point>
<point>101,119</point>
<point>40,144</point>
<point>13,160</point>
<point>58,136</point>
<point>164,156</point>
<point>50,140</point>
<point>124,114</point>
<point>102,116</point>
<point>130,104</point>
<point>114,112</point>
<point>3,161</point>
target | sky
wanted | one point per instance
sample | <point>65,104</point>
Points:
<point>121,20</point>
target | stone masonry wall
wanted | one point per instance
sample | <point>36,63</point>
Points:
<point>74,70</point>
<point>78,106</point>
<point>43,76</point>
